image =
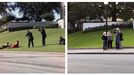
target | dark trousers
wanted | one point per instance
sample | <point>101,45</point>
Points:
<point>105,44</point>
<point>62,42</point>
<point>43,41</point>
<point>109,44</point>
<point>30,42</point>
<point>117,44</point>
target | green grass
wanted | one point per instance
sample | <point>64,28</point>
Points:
<point>93,39</point>
<point>51,40</point>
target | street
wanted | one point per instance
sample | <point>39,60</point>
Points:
<point>31,62</point>
<point>101,63</point>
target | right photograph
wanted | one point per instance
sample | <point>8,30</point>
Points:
<point>100,37</point>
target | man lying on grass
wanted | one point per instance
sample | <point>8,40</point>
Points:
<point>8,45</point>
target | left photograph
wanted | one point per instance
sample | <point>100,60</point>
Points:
<point>32,37</point>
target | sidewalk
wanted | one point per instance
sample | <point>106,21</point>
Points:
<point>101,51</point>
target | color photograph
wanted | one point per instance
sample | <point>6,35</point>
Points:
<point>100,37</point>
<point>32,37</point>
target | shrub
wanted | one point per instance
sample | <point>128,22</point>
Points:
<point>2,30</point>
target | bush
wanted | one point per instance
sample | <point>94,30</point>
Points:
<point>19,28</point>
<point>2,30</point>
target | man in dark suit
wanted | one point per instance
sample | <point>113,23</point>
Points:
<point>30,38</point>
<point>44,35</point>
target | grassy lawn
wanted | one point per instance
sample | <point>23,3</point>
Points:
<point>93,39</point>
<point>51,40</point>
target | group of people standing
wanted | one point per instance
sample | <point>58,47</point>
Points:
<point>108,39</point>
<point>44,35</point>
<point>31,38</point>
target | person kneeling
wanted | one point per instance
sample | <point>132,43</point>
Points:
<point>62,41</point>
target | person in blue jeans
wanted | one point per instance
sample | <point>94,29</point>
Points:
<point>117,39</point>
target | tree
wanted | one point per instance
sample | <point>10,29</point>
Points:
<point>34,10</point>
<point>48,16</point>
<point>112,6</point>
<point>96,10</point>
<point>22,19</point>
<point>84,10</point>
<point>3,7</point>
<point>126,11</point>
<point>8,18</point>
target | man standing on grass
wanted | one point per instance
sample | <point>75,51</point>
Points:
<point>30,38</point>
<point>44,35</point>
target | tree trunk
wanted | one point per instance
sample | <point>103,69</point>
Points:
<point>114,17</point>
<point>114,12</point>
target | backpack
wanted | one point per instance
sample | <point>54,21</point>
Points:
<point>121,37</point>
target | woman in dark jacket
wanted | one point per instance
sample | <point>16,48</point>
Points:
<point>105,41</point>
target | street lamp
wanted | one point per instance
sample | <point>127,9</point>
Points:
<point>106,12</point>
<point>106,15</point>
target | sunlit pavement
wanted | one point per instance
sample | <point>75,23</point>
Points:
<point>31,62</point>
<point>99,61</point>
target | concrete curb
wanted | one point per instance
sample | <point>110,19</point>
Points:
<point>98,48</point>
<point>100,53</point>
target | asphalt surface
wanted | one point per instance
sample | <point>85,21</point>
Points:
<point>31,62</point>
<point>100,63</point>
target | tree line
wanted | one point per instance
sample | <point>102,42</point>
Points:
<point>30,10</point>
<point>78,11</point>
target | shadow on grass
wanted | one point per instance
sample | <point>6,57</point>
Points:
<point>45,45</point>
<point>30,47</point>
<point>52,44</point>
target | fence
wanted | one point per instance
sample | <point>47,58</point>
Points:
<point>24,25</point>
<point>91,25</point>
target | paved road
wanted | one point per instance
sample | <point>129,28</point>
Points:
<point>100,63</point>
<point>31,62</point>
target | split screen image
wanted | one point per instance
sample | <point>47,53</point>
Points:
<point>99,37</point>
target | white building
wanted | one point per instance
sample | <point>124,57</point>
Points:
<point>61,23</point>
